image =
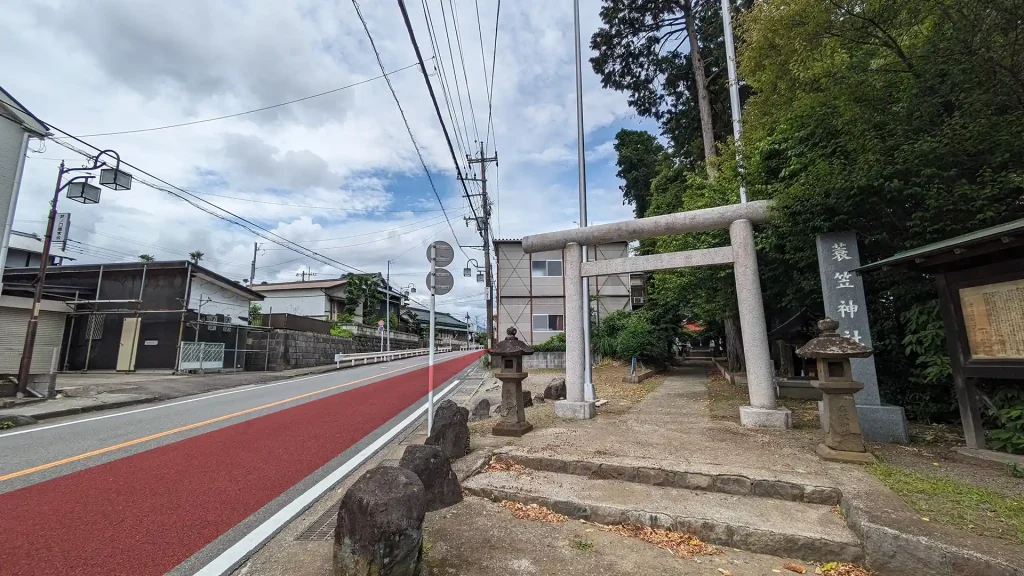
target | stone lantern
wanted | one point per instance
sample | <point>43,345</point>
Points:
<point>508,355</point>
<point>844,441</point>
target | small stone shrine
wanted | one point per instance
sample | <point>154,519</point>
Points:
<point>508,357</point>
<point>844,441</point>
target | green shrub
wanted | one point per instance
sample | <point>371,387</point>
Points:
<point>554,344</point>
<point>1006,421</point>
<point>337,330</point>
<point>625,335</point>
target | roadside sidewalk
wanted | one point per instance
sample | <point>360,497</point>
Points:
<point>81,393</point>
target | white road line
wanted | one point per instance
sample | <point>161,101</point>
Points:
<point>180,402</point>
<point>241,550</point>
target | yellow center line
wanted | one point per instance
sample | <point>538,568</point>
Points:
<point>85,455</point>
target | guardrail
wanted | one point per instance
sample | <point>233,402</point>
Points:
<point>375,357</point>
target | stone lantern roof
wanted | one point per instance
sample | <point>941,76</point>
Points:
<point>829,344</point>
<point>512,346</point>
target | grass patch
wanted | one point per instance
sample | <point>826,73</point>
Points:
<point>581,544</point>
<point>959,504</point>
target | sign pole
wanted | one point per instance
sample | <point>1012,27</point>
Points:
<point>430,361</point>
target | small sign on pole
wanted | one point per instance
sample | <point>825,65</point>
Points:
<point>444,254</point>
<point>439,281</point>
<point>61,227</point>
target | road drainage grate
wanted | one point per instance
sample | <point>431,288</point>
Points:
<point>321,529</point>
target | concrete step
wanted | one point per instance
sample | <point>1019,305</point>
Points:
<point>812,532</point>
<point>739,482</point>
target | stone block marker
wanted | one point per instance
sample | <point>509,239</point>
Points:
<point>481,411</point>
<point>843,292</point>
<point>451,430</point>
<point>555,390</point>
<point>433,469</point>
<point>380,525</point>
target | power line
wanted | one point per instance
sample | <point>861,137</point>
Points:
<point>437,110</point>
<point>438,218</point>
<point>490,92</point>
<point>368,210</point>
<point>483,59</point>
<point>408,128</point>
<point>377,239</point>
<point>462,58</point>
<point>237,114</point>
<point>446,89</point>
<point>177,192</point>
<point>455,74</point>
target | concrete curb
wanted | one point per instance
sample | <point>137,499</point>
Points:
<point>891,551</point>
<point>95,408</point>
<point>709,530</point>
<point>17,420</point>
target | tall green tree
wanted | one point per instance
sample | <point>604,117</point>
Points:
<point>668,56</point>
<point>640,157</point>
<point>363,290</point>
<point>899,120</point>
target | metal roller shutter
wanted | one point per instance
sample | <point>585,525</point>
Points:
<point>13,322</point>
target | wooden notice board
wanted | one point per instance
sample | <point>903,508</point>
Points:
<point>994,320</point>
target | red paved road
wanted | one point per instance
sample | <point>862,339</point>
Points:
<point>146,513</point>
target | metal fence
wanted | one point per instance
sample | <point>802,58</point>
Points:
<point>202,356</point>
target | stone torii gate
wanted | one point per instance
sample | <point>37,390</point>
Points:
<point>763,411</point>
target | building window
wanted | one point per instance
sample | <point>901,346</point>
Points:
<point>548,322</point>
<point>94,327</point>
<point>547,268</point>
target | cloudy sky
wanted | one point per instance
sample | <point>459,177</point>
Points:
<point>336,173</point>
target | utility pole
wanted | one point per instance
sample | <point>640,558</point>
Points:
<point>252,269</point>
<point>485,234</point>
<point>588,381</point>
<point>387,305</point>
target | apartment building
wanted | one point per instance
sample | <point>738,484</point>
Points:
<point>531,289</point>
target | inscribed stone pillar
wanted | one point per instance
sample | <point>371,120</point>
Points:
<point>843,293</point>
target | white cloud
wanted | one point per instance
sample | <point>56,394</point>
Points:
<point>113,65</point>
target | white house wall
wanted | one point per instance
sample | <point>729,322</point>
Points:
<point>11,136</point>
<point>310,302</point>
<point>221,300</point>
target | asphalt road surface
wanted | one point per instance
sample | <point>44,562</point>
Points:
<point>168,487</point>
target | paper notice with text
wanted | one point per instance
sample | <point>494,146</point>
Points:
<point>994,320</point>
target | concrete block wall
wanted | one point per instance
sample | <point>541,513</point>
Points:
<point>541,360</point>
<point>290,349</point>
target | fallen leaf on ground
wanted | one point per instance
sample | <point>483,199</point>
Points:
<point>725,572</point>
<point>501,465</point>
<point>533,512</point>
<point>795,568</point>
<point>678,543</point>
<point>843,569</point>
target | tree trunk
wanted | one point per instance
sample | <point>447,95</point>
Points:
<point>707,127</point>
<point>734,345</point>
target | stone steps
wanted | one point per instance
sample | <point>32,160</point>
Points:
<point>790,487</point>
<point>812,532</point>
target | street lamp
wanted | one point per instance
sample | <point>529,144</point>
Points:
<point>467,271</point>
<point>80,190</point>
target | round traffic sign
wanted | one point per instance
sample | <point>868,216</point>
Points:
<point>443,282</point>
<point>444,254</point>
